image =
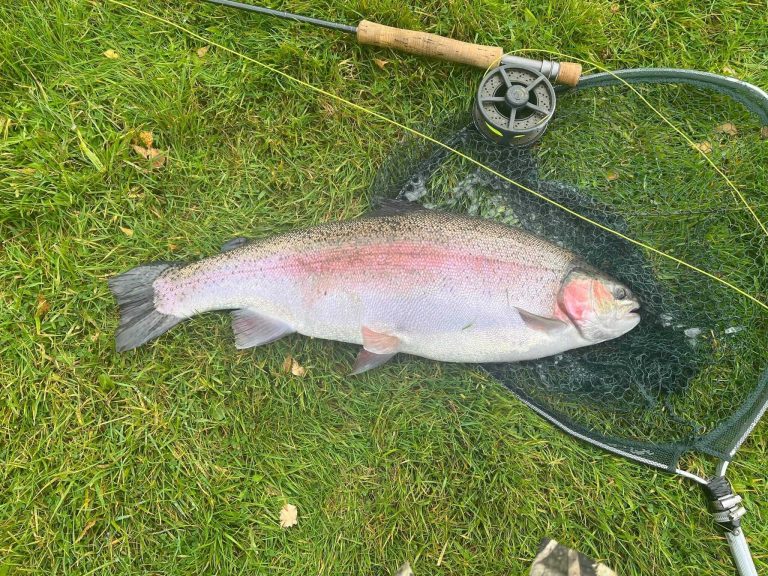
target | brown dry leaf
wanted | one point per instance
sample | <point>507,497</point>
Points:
<point>127,231</point>
<point>289,516</point>
<point>172,246</point>
<point>158,159</point>
<point>147,138</point>
<point>290,365</point>
<point>380,63</point>
<point>154,155</point>
<point>201,52</point>
<point>42,306</point>
<point>611,176</point>
<point>615,8</point>
<point>111,54</point>
<point>705,147</point>
<point>297,369</point>
<point>727,128</point>
<point>141,151</point>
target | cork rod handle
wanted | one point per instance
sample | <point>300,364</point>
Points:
<point>434,46</point>
<point>425,44</point>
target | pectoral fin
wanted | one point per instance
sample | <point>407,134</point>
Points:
<point>253,329</point>
<point>541,323</point>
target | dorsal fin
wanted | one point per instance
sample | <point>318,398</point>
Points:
<point>234,243</point>
<point>392,207</point>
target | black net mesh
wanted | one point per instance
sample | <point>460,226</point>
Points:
<point>692,376</point>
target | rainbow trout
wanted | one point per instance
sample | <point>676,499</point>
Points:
<point>442,286</point>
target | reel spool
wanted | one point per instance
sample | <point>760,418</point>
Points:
<point>513,105</point>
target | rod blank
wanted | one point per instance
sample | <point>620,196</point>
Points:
<point>287,15</point>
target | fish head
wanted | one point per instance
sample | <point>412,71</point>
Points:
<point>600,307</point>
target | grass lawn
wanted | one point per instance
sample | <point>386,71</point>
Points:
<point>177,458</point>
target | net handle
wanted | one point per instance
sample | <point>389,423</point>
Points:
<point>742,557</point>
<point>727,511</point>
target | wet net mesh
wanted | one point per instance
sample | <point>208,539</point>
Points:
<point>692,376</point>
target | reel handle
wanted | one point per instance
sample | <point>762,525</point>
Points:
<point>434,46</point>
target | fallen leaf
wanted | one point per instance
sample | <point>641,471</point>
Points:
<point>704,147</point>
<point>201,52</point>
<point>42,306</point>
<point>615,8</point>
<point>611,176</point>
<point>764,132</point>
<point>172,246</point>
<point>146,137</point>
<point>141,151</point>
<point>289,516</point>
<point>157,160</point>
<point>291,365</point>
<point>127,231</point>
<point>380,63</point>
<point>111,54</point>
<point>727,128</point>
<point>154,155</point>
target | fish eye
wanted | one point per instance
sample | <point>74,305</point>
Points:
<point>620,293</point>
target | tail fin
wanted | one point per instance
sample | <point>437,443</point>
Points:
<point>135,295</point>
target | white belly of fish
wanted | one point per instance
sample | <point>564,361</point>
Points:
<point>427,325</point>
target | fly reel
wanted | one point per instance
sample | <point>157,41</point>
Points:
<point>513,105</point>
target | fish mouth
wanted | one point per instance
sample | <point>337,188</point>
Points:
<point>635,311</point>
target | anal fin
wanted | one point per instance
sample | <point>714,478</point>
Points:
<point>366,360</point>
<point>253,329</point>
<point>380,342</point>
<point>378,348</point>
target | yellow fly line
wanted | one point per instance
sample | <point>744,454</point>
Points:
<point>734,189</point>
<point>428,138</point>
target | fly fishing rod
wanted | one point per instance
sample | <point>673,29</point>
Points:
<point>516,97</point>
<point>430,45</point>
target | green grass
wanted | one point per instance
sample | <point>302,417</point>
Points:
<point>176,458</point>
